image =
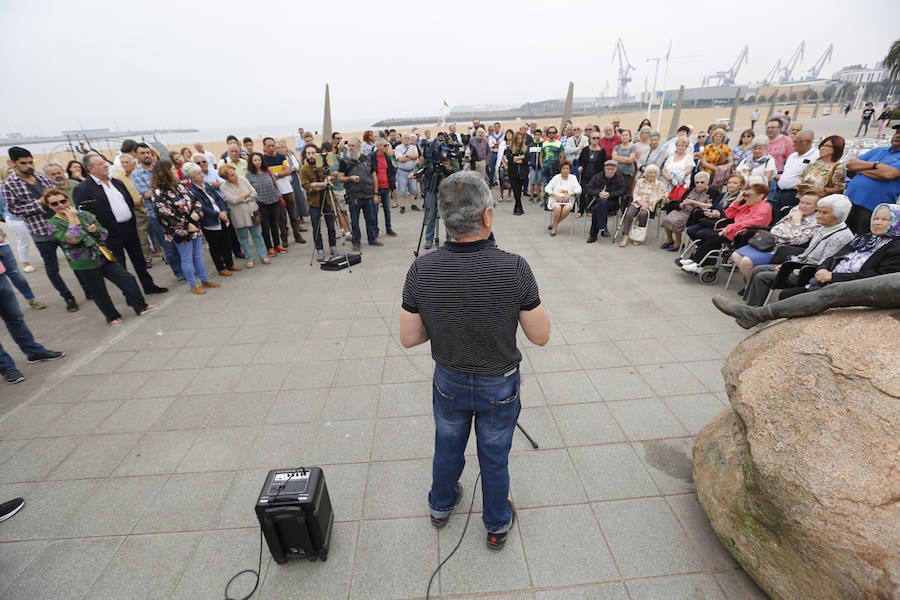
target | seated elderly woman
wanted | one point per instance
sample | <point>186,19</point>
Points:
<point>749,210</point>
<point>867,255</point>
<point>704,219</point>
<point>831,235</point>
<point>795,229</point>
<point>649,192</point>
<point>561,191</point>
<point>758,162</point>
<point>676,221</point>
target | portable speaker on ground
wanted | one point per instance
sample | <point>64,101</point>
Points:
<point>340,261</point>
<point>294,512</point>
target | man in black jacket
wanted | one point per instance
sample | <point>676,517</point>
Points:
<point>109,200</point>
<point>361,191</point>
<point>606,189</point>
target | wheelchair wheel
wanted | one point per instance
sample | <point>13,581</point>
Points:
<point>709,276</point>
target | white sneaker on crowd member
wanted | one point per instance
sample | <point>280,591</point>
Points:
<point>11,507</point>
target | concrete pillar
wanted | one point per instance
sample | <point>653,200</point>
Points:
<point>734,108</point>
<point>326,119</point>
<point>816,109</point>
<point>772,105</point>
<point>676,114</point>
<point>567,110</point>
<point>797,107</point>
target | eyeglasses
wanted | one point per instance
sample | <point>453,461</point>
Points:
<point>201,162</point>
<point>747,135</point>
<point>58,202</point>
<point>700,135</point>
<point>828,145</point>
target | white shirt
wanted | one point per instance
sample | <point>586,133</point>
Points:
<point>794,167</point>
<point>210,175</point>
<point>558,185</point>
<point>116,200</point>
<point>411,151</point>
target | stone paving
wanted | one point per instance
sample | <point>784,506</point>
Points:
<point>141,454</point>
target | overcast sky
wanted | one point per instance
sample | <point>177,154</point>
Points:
<point>160,63</point>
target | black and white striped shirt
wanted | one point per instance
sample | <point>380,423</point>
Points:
<point>469,296</point>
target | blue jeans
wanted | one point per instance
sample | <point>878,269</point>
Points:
<point>367,207</point>
<point>495,405</point>
<point>15,323</point>
<point>430,209</point>
<point>492,166</point>
<point>13,272</point>
<point>172,257</point>
<point>385,203</point>
<point>316,216</point>
<point>191,259</point>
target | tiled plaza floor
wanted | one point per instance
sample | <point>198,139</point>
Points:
<point>140,455</point>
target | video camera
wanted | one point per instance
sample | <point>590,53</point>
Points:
<point>438,153</point>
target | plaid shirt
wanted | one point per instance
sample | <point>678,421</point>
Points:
<point>22,203</point>
<point>140,177</point>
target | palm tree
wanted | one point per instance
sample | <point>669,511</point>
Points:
<point>892,61</point>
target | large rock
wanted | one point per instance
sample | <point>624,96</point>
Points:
<point>801,477</point>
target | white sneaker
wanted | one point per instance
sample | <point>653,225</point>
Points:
<point>28,269</point>
<point>686,261</point>
<point>691,268</point>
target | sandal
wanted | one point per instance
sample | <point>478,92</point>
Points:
<point>623,243</point>
<point>116,323</point>
<point>266,261</point>
<point>249,264</point>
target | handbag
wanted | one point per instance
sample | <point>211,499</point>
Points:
<point>638,233</point>
<point>764,241</point>
<point>257,218</point>
<point>678,192</point>
<point>106,252</point>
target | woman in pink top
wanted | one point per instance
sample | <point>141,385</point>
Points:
<point>749,209</point>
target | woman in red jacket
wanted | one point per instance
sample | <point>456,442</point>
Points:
<point>749,209</point>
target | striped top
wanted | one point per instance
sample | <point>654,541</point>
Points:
<point>264,186</point>
<point>469,296</point>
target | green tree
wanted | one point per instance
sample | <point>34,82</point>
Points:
<point>892,61</point>
<point>782,98</point>
<point>829,92</point>
<point>751,100</point>
<point>761,98</point>
<point>810,94</point>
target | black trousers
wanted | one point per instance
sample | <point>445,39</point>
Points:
<point>602,206</point>
<point>127,240</point>
<point>122,279</point>
<point>219,247</point>
<point>270,214</point>
<point>711,241</point>
<point>316,215</point>
<point>516,184</point>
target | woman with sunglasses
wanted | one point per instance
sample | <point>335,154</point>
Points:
<point>590,162</point>
<point>744,146</point>
<point>82,239</point>
<point>827,171</point>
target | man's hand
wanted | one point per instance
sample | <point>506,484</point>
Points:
<point>377,199</point>
<point>355,178</point>
<point>823,276</point>
<point>92,228</point>
<point>603,195</point>
<point>192,228</point>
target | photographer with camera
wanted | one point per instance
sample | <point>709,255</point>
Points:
<point>442,158</point>
<point>361,191</point>
<point>468,298</point>
<point>316,181</point>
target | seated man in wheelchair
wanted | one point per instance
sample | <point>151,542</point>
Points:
<point>748,210</point>
<point>604,191</point>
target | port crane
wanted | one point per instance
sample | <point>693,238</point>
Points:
<point>788,69</point>
<point>813,72</point>
<point>625,69</point>
<point>727,77</point>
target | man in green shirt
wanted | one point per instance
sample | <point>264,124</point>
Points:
<point>58,176</point>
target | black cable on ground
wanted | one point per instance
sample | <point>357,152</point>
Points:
<point>455,548</point>
<point>256,572</point>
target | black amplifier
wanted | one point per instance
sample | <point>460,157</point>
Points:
<point>294,512</point>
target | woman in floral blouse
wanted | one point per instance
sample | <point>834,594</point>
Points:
<point>715,155</point>
<point>81,236</point>
<point>649,192</point>
<point>179,213</point>
<point>826,172</point>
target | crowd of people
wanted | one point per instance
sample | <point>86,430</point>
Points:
<point>781,197</point>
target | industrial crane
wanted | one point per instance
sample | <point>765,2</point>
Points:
<point>826,57</point>
<point>625,69</point>
<point>788,69</point>
<point>769,79</point>
<point>727,77</point>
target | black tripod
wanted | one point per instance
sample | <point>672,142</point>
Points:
<point>439,172</point>
<point>326,195</point>
<point>534,444</point>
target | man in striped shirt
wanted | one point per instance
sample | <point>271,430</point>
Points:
<point>468,298</point>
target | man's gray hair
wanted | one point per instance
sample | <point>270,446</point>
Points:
<point>462,198</point>
<point>53,163</point>
<point>839,204</point>
<point>700,176</point>
<point>760,140</point>
<point>655,134</point>
<point>88,159</point>
<point>190,169</point>
<point>197,155</point>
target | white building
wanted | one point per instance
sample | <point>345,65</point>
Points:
<point>861,73</point>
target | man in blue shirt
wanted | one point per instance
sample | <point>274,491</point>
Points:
<point>877,181</point>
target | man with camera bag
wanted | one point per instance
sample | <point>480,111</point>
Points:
<point>468,298</point>
<point>361,187</point>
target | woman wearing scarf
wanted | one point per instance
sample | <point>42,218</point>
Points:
<point>758,162</point>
